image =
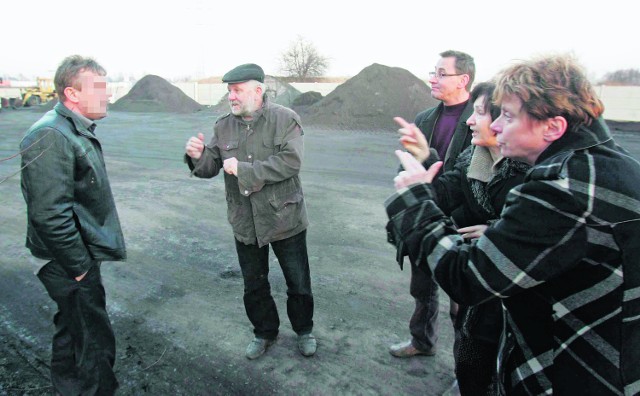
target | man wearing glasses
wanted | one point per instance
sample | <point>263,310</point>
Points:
<point>446,131</point>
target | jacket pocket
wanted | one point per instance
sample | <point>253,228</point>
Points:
<point>278,204</point>
<point>268,140</point>
<point>228,149</point>
<point>270,145</point>
<point>285,213</point>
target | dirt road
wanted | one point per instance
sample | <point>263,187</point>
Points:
<point>176,304</point>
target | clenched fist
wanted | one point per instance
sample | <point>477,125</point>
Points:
<point>195,146</point>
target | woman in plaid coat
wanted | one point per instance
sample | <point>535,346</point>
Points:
<point>564,257</point>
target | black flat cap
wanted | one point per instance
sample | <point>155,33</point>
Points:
<point>242,73</point>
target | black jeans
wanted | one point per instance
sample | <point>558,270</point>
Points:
<point>84,346</point>
<point>258,302</point>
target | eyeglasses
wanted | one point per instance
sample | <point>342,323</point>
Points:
<point>440,75</point>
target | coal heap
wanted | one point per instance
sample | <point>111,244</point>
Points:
<point>307,99</point>
<point>371,99</point>
<point>155,94</point>
<point>46,107</point>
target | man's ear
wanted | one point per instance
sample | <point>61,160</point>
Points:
<point>464,81</point>
<point>556,127</point>
<point>71,95</point>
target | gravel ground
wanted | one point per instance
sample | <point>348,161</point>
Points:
<point>176,304</point>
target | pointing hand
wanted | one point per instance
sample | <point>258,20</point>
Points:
<point>412,139</point>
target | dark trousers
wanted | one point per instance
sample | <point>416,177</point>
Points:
<point>258,302</point>
<point>475,362</point>
<point>83,348</point>
<point>424,321</point>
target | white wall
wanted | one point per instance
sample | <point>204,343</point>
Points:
<point>324,88</point>
<point>620,103</point>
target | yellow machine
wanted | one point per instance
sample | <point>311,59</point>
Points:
<point>44,92</point>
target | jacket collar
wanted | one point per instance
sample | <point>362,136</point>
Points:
<point>81,123</point>
<point>584,137</point>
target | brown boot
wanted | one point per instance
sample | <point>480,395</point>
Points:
<point>406,349</point>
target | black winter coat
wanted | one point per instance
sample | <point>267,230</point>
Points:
<point>470,201</point>
<point>472,193</point>
<point>71,212</point>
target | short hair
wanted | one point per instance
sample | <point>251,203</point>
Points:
<point>486,89</point>
<point>254,84</point>
<point>551,86</point>
<point>464,64</point>
<point>69,69</point>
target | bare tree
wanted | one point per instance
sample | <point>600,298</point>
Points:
<point>622,77</point>
<point>302,60</point>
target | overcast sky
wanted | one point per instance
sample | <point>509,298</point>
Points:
<point>208,37</point>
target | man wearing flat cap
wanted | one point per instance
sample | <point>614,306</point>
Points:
<point>259,145</point>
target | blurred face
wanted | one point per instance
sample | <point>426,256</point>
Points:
<point>244,98</point>
<point>519,136</point>
<point>93,95</point>
<point>446,88</point>
<point>479,122</point>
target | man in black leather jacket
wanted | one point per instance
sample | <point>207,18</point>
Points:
<point>73,226</point>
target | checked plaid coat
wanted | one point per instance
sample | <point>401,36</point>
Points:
<point>564,258</point>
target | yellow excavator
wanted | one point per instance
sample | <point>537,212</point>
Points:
<point>44,92</point>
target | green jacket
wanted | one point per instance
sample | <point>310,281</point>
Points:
<point>71,214</point>
<point>265,202</point>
